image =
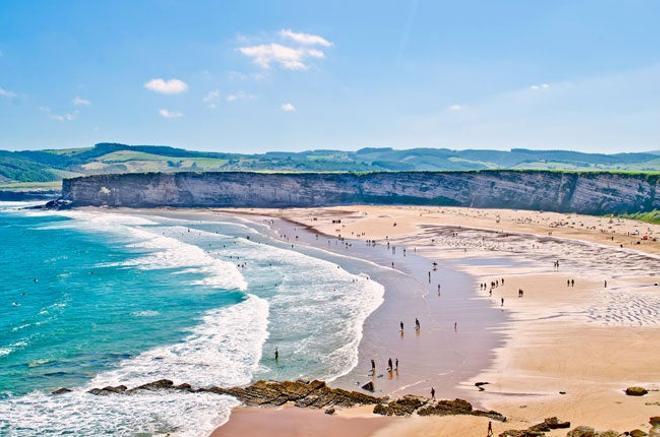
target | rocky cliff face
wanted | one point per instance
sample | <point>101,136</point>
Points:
<point>594,193</point>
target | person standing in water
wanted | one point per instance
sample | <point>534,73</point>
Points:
<point>277,354</point>
<point>373,367</point>
<point>417,325</point>
<point>389,364</point>
<point>401,325</point>
<point>432,393</point>
<point>396,364</point>
<point>502,302</point>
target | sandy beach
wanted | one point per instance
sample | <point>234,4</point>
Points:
<point>560,349</point>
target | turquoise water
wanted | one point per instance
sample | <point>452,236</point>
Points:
<point>67,288</point>
<point>89,299</point>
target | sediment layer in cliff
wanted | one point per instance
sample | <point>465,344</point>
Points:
<point>594,193</point>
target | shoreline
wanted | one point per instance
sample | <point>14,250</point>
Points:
<point>560,350</point>
<point>556,339</point>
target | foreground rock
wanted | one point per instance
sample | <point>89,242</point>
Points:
<point>636,391</point>
<point>315,394</point>
<point>537,430</point>
<point>410,404</point>
<point>587,431</point>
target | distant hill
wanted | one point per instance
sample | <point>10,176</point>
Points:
<point>46,167</point>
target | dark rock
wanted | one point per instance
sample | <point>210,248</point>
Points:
<point>637,433</point>
<point>161,384</point>
<point>330,411</point>
<point>521,433</point>
<point>108,390</point>
<point>58,204</point>
<point>404,406</point>
<point>654,421</point>
<point>317,394</point>
<point>582,431</point>
<point>369,386</point>
<point>380,409</point>
<point>183,387</point>
<point>549,424</point>
<point>61,391</point>
<point>636,391</point>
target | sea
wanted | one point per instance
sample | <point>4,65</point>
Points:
<point>90,298</point>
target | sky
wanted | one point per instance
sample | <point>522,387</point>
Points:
<point>254,76</point>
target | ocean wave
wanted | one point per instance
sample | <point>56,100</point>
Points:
<point>318,309</point>
<point>145,313</point>
<point>80,413</point>
<point>164,252</point>
<point>224,349</point>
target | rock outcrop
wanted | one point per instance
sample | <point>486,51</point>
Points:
<point>312,394</point>
<point>636,391</point>
<point>537,430</point>
<point>588,192</point>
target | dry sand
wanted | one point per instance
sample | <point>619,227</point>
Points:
<point>587,341</point>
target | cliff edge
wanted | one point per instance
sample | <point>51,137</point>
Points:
<point>589,192</point>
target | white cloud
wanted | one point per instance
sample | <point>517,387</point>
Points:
<point>162,86</point>
<point>240,95</point>
<point>456,108</point>
<point>288,107</point>
<point>165,113</point>
<point>211,98</point>
<point>305,38</point>
<point>69,116</point>
<point>543,86</point>
<point>79,101</point>
<point>289,58</point>
<point>6,93</point>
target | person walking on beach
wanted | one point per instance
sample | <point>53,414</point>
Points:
<point>389,364</point>
<point>396,364</point>
<point>417,325</point>
<point>572,282</point>
<point>605,283</point>
<point>401,325</point>
<point>432,393</point>
<point>502,302</point>
<point>373,367</point>
<point>490,429</point>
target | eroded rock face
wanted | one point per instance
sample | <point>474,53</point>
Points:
<point>594,193</point>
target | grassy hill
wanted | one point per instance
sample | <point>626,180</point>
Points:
<point>46,167</point>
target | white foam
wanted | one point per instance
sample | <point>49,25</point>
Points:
<point>322,306</point>
<point>224,350</point>
<point>145,313</point>
<point>164,252</point>
<point>80,413</point>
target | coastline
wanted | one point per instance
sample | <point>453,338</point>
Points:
<point>548,347</point>
<point>565,351</point>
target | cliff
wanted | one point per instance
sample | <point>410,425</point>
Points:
<point>595,193</point>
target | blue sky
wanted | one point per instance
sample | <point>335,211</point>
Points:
<point>251,76</point>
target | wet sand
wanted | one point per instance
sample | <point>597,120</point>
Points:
<point>566,351</point>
